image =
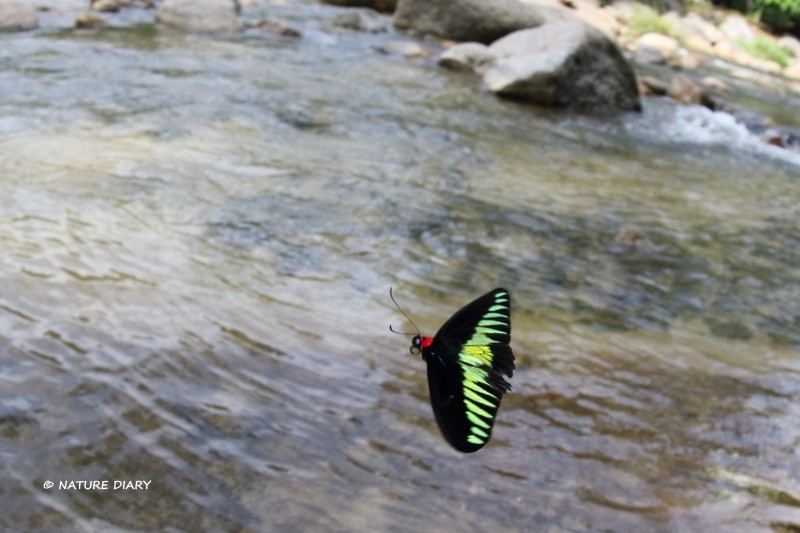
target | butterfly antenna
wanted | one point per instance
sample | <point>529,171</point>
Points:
<point>405,315</point>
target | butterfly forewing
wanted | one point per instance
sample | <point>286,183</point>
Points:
<point>466,363</point>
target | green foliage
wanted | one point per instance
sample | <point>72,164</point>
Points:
<point>646,20</point>
<point>789,7</point>
<point>766,49</point>
<point>781,15</point>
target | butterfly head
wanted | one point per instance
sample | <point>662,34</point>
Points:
<point>420,343</point>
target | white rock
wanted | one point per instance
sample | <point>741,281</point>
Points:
<point>202,16</point>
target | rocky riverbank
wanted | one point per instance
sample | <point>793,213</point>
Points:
<point>568,53</point>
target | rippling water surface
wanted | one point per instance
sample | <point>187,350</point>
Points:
<point>199,236</point>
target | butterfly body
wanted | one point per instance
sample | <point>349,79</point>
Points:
<point>467,359</point>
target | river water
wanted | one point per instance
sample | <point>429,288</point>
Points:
<point>199,236</point>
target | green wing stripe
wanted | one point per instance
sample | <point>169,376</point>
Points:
<point>490,331</point>
<point>476,410</point>
<point>486,323</point>
<point>479,339</point>
<point>477,421</point>
<point>472,439</point>
<point>478,432</point>
<point>477,397</point>
<point>476,386</point>
<point>472,371</point>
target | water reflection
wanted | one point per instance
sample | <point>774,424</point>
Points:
<point>199,238</point>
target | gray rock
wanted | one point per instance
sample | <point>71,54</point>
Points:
<point>472,20</point>
<point>683,89</point>
<point>656,49</point>
<point>108,6</point>
<point>736,27</point>
<point>650,85</point>
<point>694,24</point>
<point>18,16</point>
<point>86,20</point>
<point>564,63</point>
<point>386,6</point>
<point>474,57</point>
<point>591,12</point>
<point>202,16</point>
<point>367,20</point>
<point>790,42</point>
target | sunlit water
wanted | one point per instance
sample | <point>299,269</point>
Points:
<point>199,237</point>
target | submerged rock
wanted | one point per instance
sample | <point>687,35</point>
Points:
<point>472,20</point>
<point>565,63</point>
<point>275,27</point>
<point>203,16</point>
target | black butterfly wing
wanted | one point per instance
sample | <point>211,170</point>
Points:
<point>466,363</point>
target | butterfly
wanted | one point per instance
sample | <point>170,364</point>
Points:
<point>467,359</point>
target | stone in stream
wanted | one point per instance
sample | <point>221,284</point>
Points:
<point>202,16</point>
<point>683,89</point>
<point>656,49</point>
<point>366,20</point>
<point>386,6</point>
<point>18,16</point>
<point>86,20</point>
<point>472,20</point>
<point>566,64</point>
<point>474,57</point>
<point>108,6</point>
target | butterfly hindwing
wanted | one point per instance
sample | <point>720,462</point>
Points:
<point>466,363</point>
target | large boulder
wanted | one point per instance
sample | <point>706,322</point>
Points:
<point>565,63</point>
<point>17,16</point>
<point>202,16</point>
<point>472,20</point>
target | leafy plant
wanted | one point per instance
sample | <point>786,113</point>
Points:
<point>789,7</point>
<point>766,49</point>
<point>646,20</point>
<point>781,15</point>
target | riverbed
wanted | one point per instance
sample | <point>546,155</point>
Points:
<point>199,238</point>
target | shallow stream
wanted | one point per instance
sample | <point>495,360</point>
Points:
<point>199,235</point>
